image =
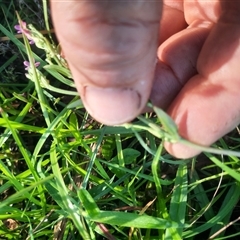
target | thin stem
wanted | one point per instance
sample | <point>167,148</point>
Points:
<point>209,149</point>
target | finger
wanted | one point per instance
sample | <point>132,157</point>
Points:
<point>111,49</point>
<point>177,62</point>
<point>172,20</point>
<point>208,106</point>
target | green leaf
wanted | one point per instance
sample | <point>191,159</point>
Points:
<point>76,104</point>
<point>133,220</point>
<point>62,70</point>
<point>233,173</point>
<point>231,199</point>
<point>88,203</point>
<point>178,202</point>
<point>168,124</point>
<point>130,155</point>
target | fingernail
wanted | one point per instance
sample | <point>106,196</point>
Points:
<point>112,106</point>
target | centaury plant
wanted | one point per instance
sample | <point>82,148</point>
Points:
<point>65,176</point>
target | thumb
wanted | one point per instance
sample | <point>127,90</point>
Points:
<point>111,49</point>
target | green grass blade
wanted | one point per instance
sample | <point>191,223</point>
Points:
<point>69,207</point>
<point>233,173</point>
<point>125,219</point>
<point>178,204</point>
<point>122,218</point>
<point>231,200</point>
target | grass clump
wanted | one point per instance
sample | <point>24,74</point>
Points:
<point>65,176</point>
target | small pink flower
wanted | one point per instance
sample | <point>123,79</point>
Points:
<point>23,29</point>
<point>19,29</point>
<point>27,64</point>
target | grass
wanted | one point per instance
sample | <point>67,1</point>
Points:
<point>65,176</point>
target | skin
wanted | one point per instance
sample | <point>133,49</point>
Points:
<point>183,55</point>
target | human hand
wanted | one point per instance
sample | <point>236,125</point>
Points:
<point>112,47</point>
